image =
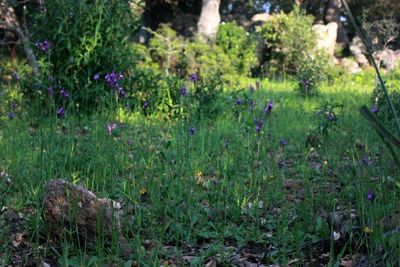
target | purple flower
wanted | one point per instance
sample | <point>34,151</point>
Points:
<point>61,112</point>
<point>96,77</point>
<point>193,78</point>
<point>43,46</point>
<point>370,195</point>
<point>269,107</point>
<point>120,91</point>
<point>366,160</point>
<point>146,105</point>
<point>64,93</point>
<point>259,124</point>
<point>251,88</point>
<point>375,109</point>
<point>306,84</point>
<point>192,130</point>
<point>239,101</point>
<point>283,142</point>
<point>184,90</point>
<point>15,76</point>
<point>11,115</point>
<point>331,116</point>
<point>110,127</point>
<point>50,90</point>
<point>113,79</point>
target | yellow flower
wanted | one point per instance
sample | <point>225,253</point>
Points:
<point>143,191</point>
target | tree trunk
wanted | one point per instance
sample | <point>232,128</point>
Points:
<point>209,20</point>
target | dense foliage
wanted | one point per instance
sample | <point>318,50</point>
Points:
<point>77,40</point>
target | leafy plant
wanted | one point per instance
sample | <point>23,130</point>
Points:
<point>289,40</point>
<point>75,40</point>
<point>238,45</point>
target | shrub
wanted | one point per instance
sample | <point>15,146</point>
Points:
<point>289,40</point>
<point>232,55</point>
<point>166,49</point>
<point>209,61</point>
<point>238,45</point>
<point>81,39</point>
<point>311,72</point>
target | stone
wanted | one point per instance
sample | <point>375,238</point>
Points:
<point>261,17</point>
<point>326,36</point>
<point>386,58</point>
<point>349,64</point>
<point>68,206</point>
<point>357,48</point>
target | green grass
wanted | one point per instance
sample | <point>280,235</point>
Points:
<point>202,195</point>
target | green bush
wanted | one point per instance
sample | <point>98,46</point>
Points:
<point>238,45</point>
<point>166,49</point>
<point>311,72</point>
<point>210,62</point>
<point>232,55</point>
<point>289,40</point>
<point>85,38</point>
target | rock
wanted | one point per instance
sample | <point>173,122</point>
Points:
<point>386,58</point>
<point>261,17</point>
<point>326,36</point>
<point>357,48</point>
<point>349,64</point>
<point>68,206</point>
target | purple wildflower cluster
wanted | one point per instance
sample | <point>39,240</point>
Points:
<point>184,91</point>
<point>15,76</point>
<point>60,112</point>
<point>193,78</point>
<point>366,160</point>
<point>268,108</point>
<point>192,130</point>
<point>375,109</point>
<point>331,116</point>
<point>370,195</point>
<point>306,84</point>
<point>113,80</point>
<point>64,93</point>
<point>11,115</point>
<point>283,142</point>
<point>259,124</point>
<point>43,46</point>
<point>251,88</point>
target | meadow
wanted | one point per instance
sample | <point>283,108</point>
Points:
<point>254,177</point>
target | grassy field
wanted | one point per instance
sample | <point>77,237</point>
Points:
<point>211,190</point>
